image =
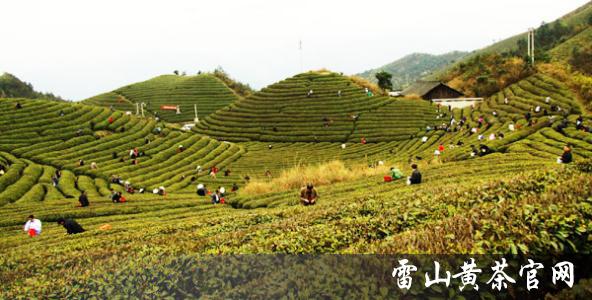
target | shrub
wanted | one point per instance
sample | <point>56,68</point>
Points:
<point>584,165</point>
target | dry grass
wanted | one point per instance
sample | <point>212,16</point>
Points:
<point>363,82</point>
<point>413,97</point>
<point>322,174</point>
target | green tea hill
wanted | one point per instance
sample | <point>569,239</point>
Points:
<point>337,110</point>
<point>205,91</point>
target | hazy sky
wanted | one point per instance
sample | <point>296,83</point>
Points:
<point>78,49</point>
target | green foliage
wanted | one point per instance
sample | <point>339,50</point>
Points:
<point>285,112</point>
<point>413,67</point>
<point>548,35</point>
<point>204,91</point>
<point>581,60</point>
<point>515,200</point>
<point>244,90</point>
<point>585,166</point>
<point>483,75</point>
<point>384,80</point>
<point>12,87</point>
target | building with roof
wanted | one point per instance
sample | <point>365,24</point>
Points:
<point>429,90</point>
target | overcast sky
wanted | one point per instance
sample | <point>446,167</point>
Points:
<point>78,49</point>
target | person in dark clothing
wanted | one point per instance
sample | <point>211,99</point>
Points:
<point>580,123</point>
<point>201,190</point>
<point>234,187</point>
<point>527,116</point>
<point>415,177</point>
<point>484,150</point>
<point>18,105</point>
<point>83,199</point>
<point>114,155</point>
<point>566,157</point>
<point>216,197</point>
<point>72,227</point>
<point>115,196</point>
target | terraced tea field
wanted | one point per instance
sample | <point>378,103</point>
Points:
<point>205,91</point>
<point>285,112</point>
<point>542,206</point>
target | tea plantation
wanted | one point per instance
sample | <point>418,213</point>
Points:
<point>204,90</point>
<point>513,198</point>
<point>317,107</point>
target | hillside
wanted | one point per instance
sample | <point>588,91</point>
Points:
<point>487,198</point>
<point>564,51</point>
<point>205,90</point>
<point>577,19</point>
<point>413,67</point>
<point>456,209</point>
<point>488,70</point>
<point>12,87</point>
<point>44,136</point>
<point>284,112</point>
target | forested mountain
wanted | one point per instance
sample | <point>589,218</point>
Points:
<point>12,87</point>
<point>413,67</point>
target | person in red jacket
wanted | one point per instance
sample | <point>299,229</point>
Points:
<point>110,120</point>
<point>363,141</point>
<point>441,148</point>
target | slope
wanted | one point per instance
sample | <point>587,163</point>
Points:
<point>285,112</point>
<point>413,67</point>
<point>456,209</point>
<point>48,136</point>
<point>206,91</point>
<point>547,36</point>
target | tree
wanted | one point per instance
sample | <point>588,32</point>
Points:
<point>176,72</point>
<point>384,80</point>
<point>522,47</point>
<point>590,19</point>
<point>581,60</point>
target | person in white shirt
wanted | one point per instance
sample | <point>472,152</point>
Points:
<point>33,226</point>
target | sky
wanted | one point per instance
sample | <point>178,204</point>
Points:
<point>78,49</point>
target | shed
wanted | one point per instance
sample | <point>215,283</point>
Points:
<point>429,90</point>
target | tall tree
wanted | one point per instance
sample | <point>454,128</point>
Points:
<point>384,80</point>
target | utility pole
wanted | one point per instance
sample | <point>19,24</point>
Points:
<point>196,120</point>
<point>300,50</point>
<point>531,45</point>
